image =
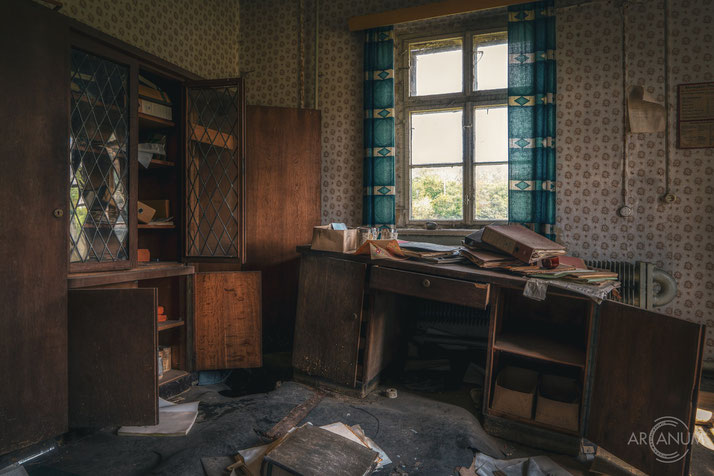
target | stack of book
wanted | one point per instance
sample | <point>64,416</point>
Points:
<point>431,252</point>
<point>153,101</point>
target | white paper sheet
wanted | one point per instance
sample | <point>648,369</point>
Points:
<point>174,420</point>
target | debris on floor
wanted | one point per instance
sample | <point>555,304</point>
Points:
<point>484,465</point>
<point>174,420</point>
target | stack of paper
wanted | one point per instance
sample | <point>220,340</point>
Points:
<point>174,420</point>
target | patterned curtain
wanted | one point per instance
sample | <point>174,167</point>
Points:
<point>378,178</point>
<point>531,115</point>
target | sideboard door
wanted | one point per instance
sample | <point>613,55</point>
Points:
<point>34,166</point>
<point>328,320</point>
<point>647,369</point>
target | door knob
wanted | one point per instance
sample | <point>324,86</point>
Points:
<point>58,213</point>
<point>426,283</point>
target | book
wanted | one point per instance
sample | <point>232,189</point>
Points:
<point>522,243</point>
<point>313,451</point>
<point>155,109</point>
<point>488,259</point>
<point>474,241</point>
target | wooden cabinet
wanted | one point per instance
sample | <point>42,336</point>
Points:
<point>629,369</point>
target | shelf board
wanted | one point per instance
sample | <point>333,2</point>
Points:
<point>146,226</point>
<point>151,122</point>
<point>530,421</point>
<point>170,324</point>
<point>542,348</point>
<point>213,137</point>
<point>152,270</point>
<point>171,376</point>
<point>158,163</point>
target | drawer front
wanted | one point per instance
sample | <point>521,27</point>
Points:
<point>425,286</point>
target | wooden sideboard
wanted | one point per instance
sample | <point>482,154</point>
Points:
<point>632,366</point>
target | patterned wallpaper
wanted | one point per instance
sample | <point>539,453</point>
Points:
<point>198,35</point>
<point>676,237</point>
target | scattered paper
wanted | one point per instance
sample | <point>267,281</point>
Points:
<point>174,420</point>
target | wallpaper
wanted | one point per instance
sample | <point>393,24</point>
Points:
<point>198,35</point>
<point>676,237</point>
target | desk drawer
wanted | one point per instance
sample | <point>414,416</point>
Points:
<point>464,293</point>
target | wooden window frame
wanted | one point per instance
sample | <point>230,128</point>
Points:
<point>467,100</point>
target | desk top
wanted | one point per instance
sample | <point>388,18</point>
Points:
<point>454,271</point>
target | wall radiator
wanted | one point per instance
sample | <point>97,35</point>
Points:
<point>641,284</point>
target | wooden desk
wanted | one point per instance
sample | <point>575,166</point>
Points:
<point>632,366</point>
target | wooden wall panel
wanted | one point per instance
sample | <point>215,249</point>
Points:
<point>227,324</point>
<point>282,206</point>
<point>34,161</point>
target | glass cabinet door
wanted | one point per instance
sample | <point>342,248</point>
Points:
<point>213,169</point>
<point>99,160</point>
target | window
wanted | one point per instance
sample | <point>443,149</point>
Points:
<point>457,129</point>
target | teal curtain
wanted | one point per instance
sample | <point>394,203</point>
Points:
<point>531,115</point>
<point>378,166</point>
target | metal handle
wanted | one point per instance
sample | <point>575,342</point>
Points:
<point>426,283</point>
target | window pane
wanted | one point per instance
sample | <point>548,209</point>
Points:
<point>490,62</point>
<point>436,137</point>
<point>437,193</point>
<point>491,186</point>
<point>491,134</point>
<point>436,67</point>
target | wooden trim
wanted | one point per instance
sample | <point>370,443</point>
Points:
<point>425,12</point>
<point>149,271</point>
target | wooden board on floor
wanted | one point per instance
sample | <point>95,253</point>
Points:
<point>34,159</point>
<point>227,320</point>
<point>112,357</point>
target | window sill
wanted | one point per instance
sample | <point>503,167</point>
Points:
<point>438,232</point>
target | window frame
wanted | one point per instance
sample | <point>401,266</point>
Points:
<point>467,100</point>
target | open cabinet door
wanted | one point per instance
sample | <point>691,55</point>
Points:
<point>227,320</point>
<point>215,130</point>
<point>644,388</point>
<point>112,357</point>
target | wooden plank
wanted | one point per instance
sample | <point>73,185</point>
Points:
<point>646,368</point>
<point>296,415</point>
<point>424,12</point>
<point>171,376</point>
<point>170,324</point>
<point>227,320</point>
<point>430,287</point>
<point>143,271</point>
<point>282,206</point>
<point>542,348</point>
<point>33,242</point>
<point>112,357</point>
<point>329,315</point>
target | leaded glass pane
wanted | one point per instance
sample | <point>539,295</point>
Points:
<point>99,164</point>
<point>213,172</point>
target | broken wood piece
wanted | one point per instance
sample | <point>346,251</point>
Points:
<point>295,416</point>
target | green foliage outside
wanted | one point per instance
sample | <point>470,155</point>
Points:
<point>436,198</point>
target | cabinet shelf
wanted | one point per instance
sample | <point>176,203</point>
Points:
<point>146,226</point>
<point>160,164</point>
<point>209,136</point>
<point>542,348</point>
<point>152,122</point>
<point>170,324</point>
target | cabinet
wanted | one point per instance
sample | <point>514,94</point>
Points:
<point>627,368</point>
<point>81,326</point>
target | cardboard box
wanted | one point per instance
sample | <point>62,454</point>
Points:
<point>514,392</point>
<point>165,353</point>
<point>324,238</point>
<point>558,402</point>
<point>145,212</point>
<point>162,207</point>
